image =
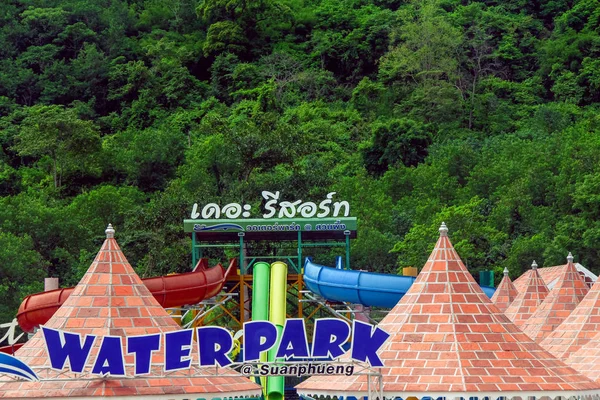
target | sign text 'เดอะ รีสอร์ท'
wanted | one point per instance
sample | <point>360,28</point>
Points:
<point>72,350</point>
<point>273,208</point>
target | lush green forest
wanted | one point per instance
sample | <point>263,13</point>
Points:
<point>482,114</point>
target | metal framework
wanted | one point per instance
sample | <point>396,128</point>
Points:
<point>249,369</point>
<point>293,239</point>
<point>342,310</point>
<point>246,261</point>
<point>235,305</point>
<point>305,232</point>
<point>196,314</point>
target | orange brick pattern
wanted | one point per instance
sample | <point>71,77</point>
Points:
<point>550,276</point>
<point>556,307</point>
<point>528,300</point>
<point>586,360</point>
<point>448,337</point>
<point>505,293</point>
<point>578,328</point>
<point>112,300</point>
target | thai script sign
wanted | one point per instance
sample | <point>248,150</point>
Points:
<point>72,351</point>
<point>273,208</point>
<point>271,225</point>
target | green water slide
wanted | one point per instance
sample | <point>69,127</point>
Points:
<point>277,303</point>
<point>260,302</point>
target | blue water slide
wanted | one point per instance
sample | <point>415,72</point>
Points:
<point>359,287</point>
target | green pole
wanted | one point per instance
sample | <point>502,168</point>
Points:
<point>242,266</point>
<point>277,303</point>
<point>347,233</point>
<point>299,265</point>
<point>261,276</point>
<point>194,257</point>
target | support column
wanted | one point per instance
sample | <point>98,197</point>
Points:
<point>299,264</point>
<point>194,256</point>
<point>300,283</point>
<point>243,293</point>
<point>347,234</point>
<point>242,263</point>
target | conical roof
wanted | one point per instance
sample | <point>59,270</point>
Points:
<point>111,300</point>
<point>586,360</point>
<point>527,301</point>
<point>505,292</point>
<point>559,303</point>
<point>578,328</point>
<point>447,338</point>
<point>550,276</point>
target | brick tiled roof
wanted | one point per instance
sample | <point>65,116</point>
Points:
<point>505,293</point>
<point>586,360</point>
<point>111,299</point>
<point>556,307</point>
<point>578,328</point>
<point>528,300</point>
<point>550,276</point>
<point>449,339</point>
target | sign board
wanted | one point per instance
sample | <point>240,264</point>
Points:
<point>71,352</point>
<point>272,225</point>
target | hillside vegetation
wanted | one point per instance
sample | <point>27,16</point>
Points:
<point>482,114</point>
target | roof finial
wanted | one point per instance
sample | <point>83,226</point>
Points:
<point>110,232</point>
<point>505,271</point>
<point>443,229</point>
<point>570,258</point>
<point>534,265</point>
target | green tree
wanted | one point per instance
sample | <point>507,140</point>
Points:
<point>58,133</point>
<point>424,56</point>
<point>241,26</point>
<point>44,24</point>
<point>397,141</point>
<point>147,157</point>
<point>22,271</point>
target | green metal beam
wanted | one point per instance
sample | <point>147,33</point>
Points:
<point>324,244</point>
<point>299,267</point>
<point>347,233</point>
<point>242,261</point>
<point>336,226</point>
<point>194,251</point>
<point>200,246</point>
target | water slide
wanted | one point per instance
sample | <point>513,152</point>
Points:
<point>277,315</point>
<point>261,275</point>
<point>170,291</point>
<point>11,348</point>
<point>359,287</point>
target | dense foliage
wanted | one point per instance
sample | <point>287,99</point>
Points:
<point>482,114</point>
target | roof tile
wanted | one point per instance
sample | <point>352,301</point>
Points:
<point>98,306</point>
<point>587,359</point>
<point>528,300</point>
<point>578,328</point>
<point>558,304</point>
<point>483,349</point>
<point>505,293</point>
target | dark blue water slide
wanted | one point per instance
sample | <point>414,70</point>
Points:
<point>359,287</point>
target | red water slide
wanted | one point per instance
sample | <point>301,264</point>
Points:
<point>11,349</point>
<point>170,291</point>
